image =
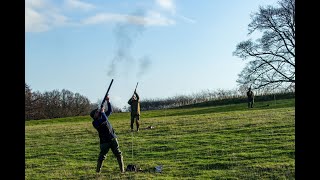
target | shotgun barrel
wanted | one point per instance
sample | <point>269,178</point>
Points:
<point>136,87</point>
<point>104,99</point>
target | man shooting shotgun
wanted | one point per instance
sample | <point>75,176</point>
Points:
<point>134,102</point>
<point>107,135</point>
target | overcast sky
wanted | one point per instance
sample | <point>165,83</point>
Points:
<point>171,47</point>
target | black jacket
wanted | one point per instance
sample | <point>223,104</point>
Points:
<point>104,127</point>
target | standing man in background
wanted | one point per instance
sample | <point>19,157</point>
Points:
<point>134,102</point>
<point>250,96</point>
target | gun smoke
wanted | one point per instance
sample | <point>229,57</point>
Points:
<point>126,34</point>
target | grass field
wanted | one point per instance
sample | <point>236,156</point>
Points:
<point>217,142</point>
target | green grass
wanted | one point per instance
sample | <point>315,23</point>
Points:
<point>216,142</point>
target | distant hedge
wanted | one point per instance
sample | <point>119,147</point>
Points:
<point>267,97</point>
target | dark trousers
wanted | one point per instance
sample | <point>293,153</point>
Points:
<point>104,149</point>
<point>250,103</point>
<point>137,117</point>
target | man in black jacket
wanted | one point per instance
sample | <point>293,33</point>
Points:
<point>107,136</point>
<point>250,96</point>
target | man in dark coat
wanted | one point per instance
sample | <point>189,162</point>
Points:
<point>107,136</point>
<point>250,96</point>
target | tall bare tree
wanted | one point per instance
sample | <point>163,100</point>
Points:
<point>272,64</point>
<point>28,101</point>
<point>32,102</point>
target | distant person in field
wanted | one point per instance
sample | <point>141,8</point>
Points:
<point>107,136</point>
<point>134,102</point>
<point>250,96</point>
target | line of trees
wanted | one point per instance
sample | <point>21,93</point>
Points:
<point>54,104</point>
<point>206,96</point>
<point>57,104</point>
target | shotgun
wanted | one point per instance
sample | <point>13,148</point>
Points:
<point>104,99</point>
<point>136,87</point>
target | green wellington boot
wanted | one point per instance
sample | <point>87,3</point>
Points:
<point>120,162</point>
<point>99,164</point>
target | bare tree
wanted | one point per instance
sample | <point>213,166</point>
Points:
<point>52,107</point>
<point>32,103</point>
<point>273,55</point>
<point>40,104</point>
<point>28,102</point>
<point>81,105</point>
